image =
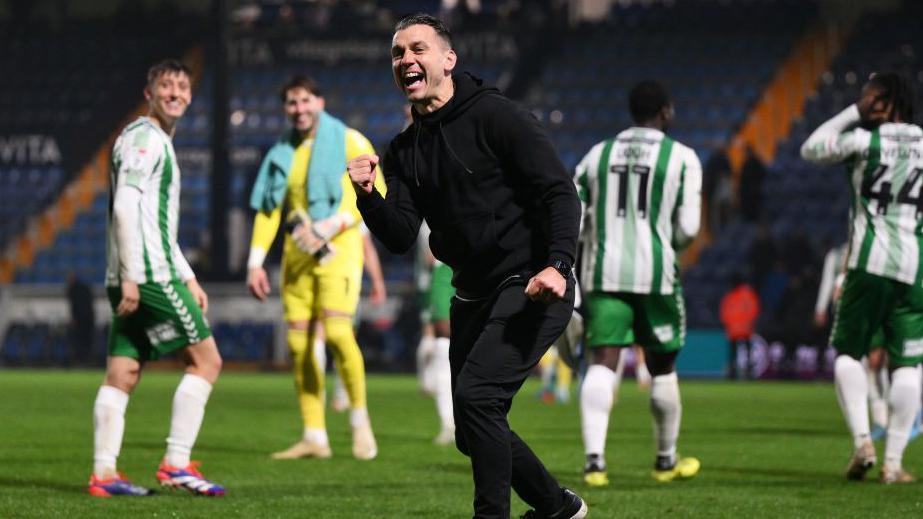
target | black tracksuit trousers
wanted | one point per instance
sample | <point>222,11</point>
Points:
<point>496,342</point>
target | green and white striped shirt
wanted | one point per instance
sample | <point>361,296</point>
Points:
<point>885,171</point>
<point>144,208</point>
<point>641,196</point>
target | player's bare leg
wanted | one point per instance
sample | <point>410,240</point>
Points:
<point>642,375</point>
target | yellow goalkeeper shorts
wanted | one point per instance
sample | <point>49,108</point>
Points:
<point>308,290</point>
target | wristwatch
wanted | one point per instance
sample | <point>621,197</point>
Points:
<point>563,268</point>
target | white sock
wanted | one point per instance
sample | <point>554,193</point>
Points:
<point>358,417</point>
<point>339,390</point>
<point>442,375</point>
<point>878,403</point>
<point>424,358</point>
<point>597,394</point>
<point>108,428</point>
<point>852,392</point>
<point>883,384</point>
<point>905,402</point>
<point>667,410</point>
<point>188,411</point>
<point>316,436</point>
<point>320,353</point>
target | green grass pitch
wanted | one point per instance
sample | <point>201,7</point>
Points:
<point>767,450</point>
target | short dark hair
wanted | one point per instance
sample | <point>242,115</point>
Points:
<point>646,100</point>
<point>168,65</point>
<point>897,90</point>
<point>442,30</point>
<point>300,81</point>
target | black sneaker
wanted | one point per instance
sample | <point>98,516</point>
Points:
<point>573,508</point>
<point>665,463</point>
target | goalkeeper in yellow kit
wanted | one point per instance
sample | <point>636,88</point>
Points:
<point>322,259</point>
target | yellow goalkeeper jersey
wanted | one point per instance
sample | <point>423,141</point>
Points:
<point>348,253</point>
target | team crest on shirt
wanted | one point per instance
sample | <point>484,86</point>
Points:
<point>135,158</point>
<point>163,332</point>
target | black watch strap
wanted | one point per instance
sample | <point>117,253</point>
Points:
<point>563,268</point>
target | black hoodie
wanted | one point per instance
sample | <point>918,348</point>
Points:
<point>485,176</point>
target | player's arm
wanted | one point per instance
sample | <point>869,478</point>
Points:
<point>825,290</point>
<point>582,182</point>
<point>392,218</point>
<point>136,168</point>
<point>372,264</point>
<point>265,227</point>
<point>689,213</point>
<point>126,219</point>
<point>831,142</point>
<point>840,276</point>
<point>187,276</point>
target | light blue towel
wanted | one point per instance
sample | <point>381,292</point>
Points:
<point>325,170</point>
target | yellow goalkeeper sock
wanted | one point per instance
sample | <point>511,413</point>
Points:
<point>309,380</point>
<point>348,357</point>
<point>564,375</point>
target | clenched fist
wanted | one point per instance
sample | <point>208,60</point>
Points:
<point>546,286</point>
<point>362,173</point>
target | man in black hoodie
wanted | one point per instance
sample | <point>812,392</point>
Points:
<point>504,215</point>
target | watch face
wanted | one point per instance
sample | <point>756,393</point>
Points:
<point>562,267</point>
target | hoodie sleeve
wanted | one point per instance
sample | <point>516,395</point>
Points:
<point>525,150</point>
<point>394,218</point>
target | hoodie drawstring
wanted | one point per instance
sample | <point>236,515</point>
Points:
<point>416,152</point>
<point>452,151</point>
<point>416,149</point>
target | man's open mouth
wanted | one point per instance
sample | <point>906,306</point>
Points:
<point>412,79</point>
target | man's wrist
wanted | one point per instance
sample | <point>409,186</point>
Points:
<point>369,201</point>
<point>564,268</point>
<point>130,277</point>
<point>256,258</point>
